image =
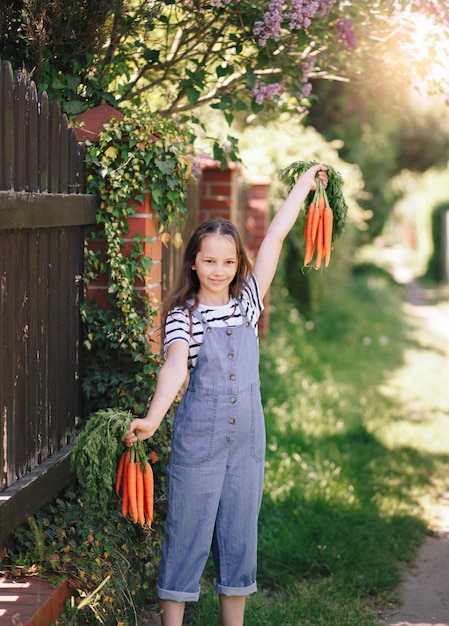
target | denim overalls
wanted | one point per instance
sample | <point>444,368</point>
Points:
<point>215,472</point>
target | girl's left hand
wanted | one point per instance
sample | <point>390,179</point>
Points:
<point>321,172</point>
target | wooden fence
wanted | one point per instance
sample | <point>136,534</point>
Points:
<point>43,210</point>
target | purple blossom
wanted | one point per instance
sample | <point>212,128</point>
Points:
<point>305,91</point>
<point>307,68</point>
<point>299,16</point>
<point>270,28</point>
<point>268,91</point>
<point>344,27</point>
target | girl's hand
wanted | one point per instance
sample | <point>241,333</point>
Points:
<point>139,429</point>
<point>315,170</point>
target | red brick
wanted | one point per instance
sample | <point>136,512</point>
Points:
<point>100,295</point>
<point>221,190</point>
<point>153,250</point>
<point>216,204</point>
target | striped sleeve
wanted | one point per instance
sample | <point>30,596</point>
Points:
<point>251,295</point>
<point>177,327</point>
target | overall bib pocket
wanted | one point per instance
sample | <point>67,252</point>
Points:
<point>194,428</point>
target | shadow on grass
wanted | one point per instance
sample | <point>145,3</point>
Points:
<point>356,526</point>
<point>340,505</point>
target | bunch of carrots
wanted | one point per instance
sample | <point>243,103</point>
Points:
<point>318,229</point>
<point>135,479</point>
<point>323,223</point>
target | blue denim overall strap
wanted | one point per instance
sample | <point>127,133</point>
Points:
<point>215,473</point>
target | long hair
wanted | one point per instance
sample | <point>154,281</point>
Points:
<point>188,283</point>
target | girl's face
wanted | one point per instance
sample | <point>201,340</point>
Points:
<point>216,265</point>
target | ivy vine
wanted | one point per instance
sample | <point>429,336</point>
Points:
<point>137,153</point>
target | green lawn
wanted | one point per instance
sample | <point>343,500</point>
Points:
<point>356,408</point>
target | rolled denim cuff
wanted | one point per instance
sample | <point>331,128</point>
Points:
<point>236,591</point>
<point>177,596</point>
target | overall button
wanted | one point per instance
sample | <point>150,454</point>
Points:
<point>208,329</point>
<point>246,323</point>
<point>230,356</point>
<point>233,400</point>
<point>232,420</point>
<point>229,331</point>
<point>232,377</point>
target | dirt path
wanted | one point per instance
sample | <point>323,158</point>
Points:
<point>424,592</point>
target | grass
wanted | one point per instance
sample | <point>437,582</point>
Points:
<point>356,405</point>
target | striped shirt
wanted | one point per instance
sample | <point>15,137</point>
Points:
<point>177,326</point>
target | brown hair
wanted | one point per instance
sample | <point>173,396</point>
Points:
<point>188,283</point>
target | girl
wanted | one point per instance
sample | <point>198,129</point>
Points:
<point>215,472</point>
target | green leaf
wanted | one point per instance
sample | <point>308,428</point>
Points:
<point>192,95</point>
<point>167,166</point>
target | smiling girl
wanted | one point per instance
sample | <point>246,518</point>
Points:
<point>216,466</point>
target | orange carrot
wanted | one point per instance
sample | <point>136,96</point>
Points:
<point>308,223</point>
<point>132,490</point>
<point>315,220</point>
<point>328,218</point>
<point>319,244</point>
<point>149,493</point>
<point>310,249</point>
<point>140,494</point>
<point>308,234</point>
<point>119,474</point>
<point>125,489</point>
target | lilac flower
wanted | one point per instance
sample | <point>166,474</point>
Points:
<point>299,16</point>
<point>270,28</point>
<point>305,91</point>
<point>269,91</point>
<point>344,27</point>
<point>307,68</point>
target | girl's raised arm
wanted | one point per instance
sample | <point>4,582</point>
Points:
<point>270,249</point>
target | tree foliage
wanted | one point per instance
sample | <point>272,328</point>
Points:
<point>248,59</point>
<point>174,56</point>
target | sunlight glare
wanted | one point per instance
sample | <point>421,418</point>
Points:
<point>423,42</point>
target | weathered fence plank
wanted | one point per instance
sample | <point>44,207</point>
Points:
<point>53,148</point>
<point>7,127</point>
<point>32,142</point>
<point>42,138</point>
<point>27,210</point>
<point>63,155</point>
<point>20,109</point>
<point>30,493</point>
